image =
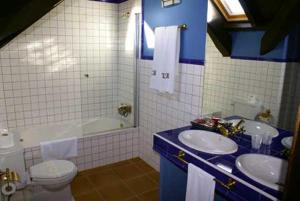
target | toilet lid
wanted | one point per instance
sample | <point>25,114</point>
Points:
<point>52,169</point>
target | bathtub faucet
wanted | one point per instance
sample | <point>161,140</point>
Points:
<point>124,109</point>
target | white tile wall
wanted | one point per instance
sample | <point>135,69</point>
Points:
<point>224,79</point>
<point>43,76</point>
<point>99,92</point>
<point>42,70</point>
<point>98,150</point>
<point>42,81</point>
<point>227,79</point>
<point>160,112</point>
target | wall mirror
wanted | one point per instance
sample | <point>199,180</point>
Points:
<point>248,87</point>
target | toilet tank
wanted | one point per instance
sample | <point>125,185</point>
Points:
<point>13,158</point>
<point>246,110</point>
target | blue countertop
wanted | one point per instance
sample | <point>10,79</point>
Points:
<point>223,166</point>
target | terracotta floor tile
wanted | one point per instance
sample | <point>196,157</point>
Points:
<point>91,196</point>
<point>80,185</point>
<point>95,170</point>
<point>150,196</point>
<point>144,166</point>
<point>115,192</point>
<point>104,178</point>
<point>130,180</point>
<point>132,199</point>
<point>141,184</point>
<point>128,171</point>
<point>154,176</point>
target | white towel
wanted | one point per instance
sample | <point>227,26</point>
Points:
<point>166,59</point>
<point>200,185</point>
<point>59,149</point>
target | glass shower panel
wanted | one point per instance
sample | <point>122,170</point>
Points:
<point>108,70</point>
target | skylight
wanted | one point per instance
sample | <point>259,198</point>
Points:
<point>232,10</point>
<point>233,7</point>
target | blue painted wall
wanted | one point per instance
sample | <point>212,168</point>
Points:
<point>192,13</point>
<point>246,45</point>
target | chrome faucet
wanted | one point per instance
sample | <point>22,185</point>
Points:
<point>227,129</point>
<point>124,109</point>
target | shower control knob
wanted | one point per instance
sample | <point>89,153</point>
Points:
<point>124,109</point>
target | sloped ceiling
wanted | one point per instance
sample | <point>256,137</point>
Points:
<point>17,15</point>
<point>275,17</point>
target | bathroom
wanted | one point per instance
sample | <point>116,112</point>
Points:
<point>77,96</point>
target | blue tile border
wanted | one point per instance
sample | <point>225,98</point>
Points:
<point>182,61</point>
<point>167,142</point>
<point>240,191</point>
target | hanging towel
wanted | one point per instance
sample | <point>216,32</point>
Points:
<point>166,59</point>
<point>59,149</point>
<point>200,185</point>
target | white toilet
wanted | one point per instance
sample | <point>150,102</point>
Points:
<point>54,174</point>
<point>46,181</point>
<point>54,177</point>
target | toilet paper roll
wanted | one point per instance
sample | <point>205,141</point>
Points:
<point>8,189</point>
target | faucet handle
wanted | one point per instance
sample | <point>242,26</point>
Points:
<point>238,128</point>
<point>238,125</point>
<point>224,131</point>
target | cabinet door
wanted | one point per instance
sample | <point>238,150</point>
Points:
<point>172,182</point>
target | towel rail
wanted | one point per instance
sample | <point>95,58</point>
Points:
<point>181,26</point>
<point>228,185</point>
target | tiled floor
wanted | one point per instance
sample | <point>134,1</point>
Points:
<point>131,180</point>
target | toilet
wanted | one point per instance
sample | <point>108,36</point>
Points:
<point>54,176</point>
<point>47,181</point>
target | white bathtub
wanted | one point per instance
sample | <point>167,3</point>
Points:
<point>32,136</point>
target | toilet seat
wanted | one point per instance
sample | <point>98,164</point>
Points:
<point>53,172</point>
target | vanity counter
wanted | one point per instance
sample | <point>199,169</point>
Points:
<point>222,167</point>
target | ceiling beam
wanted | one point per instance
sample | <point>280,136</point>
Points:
<point>215,28</point>
<point>16,22</point>
<point>283,22</point>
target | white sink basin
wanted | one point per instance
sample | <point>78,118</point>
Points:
<point>287,142</point>
<point>264,169</point>
<point>255,127</point>
<point>208,142</point>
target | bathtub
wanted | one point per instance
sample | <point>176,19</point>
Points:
<point>32,136</point>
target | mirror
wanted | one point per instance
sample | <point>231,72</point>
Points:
<point>248,87</point>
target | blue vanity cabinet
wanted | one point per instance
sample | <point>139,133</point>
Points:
<point>173,182</point>
<point>174,168</point>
